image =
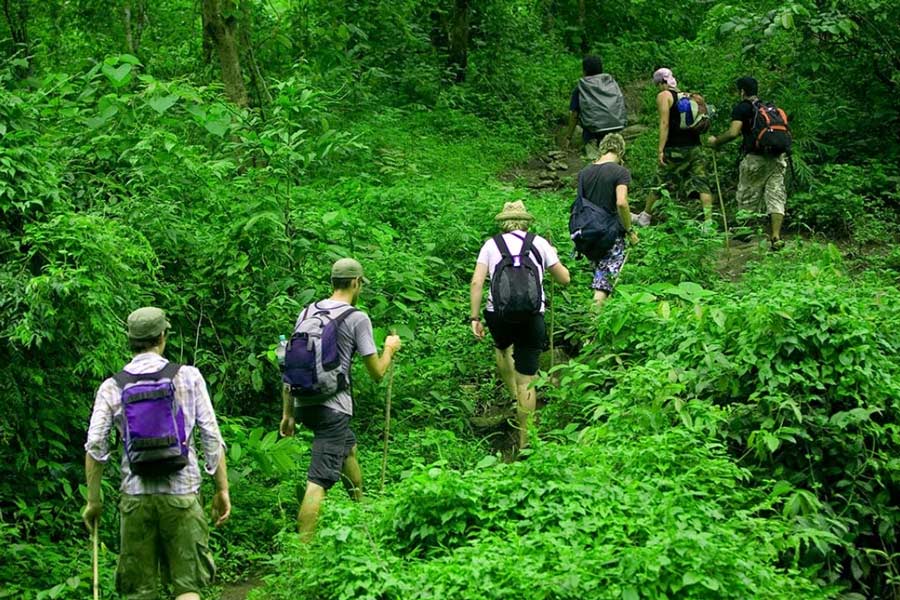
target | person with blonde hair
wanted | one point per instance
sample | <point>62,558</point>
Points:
<point>515,261</point>
<point>604,183</point>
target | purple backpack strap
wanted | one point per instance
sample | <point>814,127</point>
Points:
<point>123,377</point>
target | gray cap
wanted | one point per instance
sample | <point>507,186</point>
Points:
<point>147,322</point>
<point>347,268</point>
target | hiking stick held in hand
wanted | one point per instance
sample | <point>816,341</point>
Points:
<point>95,542</point>
<point>387,420</point>
<point>721,201</point>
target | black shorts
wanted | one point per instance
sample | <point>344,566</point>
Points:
<point>332,441</point>
<point>527,339</point>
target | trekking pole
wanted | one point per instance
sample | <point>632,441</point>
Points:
<point>95,542</point>
<point>721,202</point>
<point>552,314</point>
<point>387,420</point>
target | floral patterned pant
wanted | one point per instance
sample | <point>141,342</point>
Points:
<point>606,270</point>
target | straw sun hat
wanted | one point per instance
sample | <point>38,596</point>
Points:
<point>514,211</point>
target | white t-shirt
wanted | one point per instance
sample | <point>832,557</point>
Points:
<point>490,256</point>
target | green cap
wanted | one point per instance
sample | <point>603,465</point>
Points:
<point>147,322</point>
<point>347,268</point>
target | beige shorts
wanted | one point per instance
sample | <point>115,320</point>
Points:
<point>761,184</point>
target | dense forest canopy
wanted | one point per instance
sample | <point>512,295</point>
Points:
<point>727,427</point>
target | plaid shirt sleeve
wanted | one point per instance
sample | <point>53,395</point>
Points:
<point>210,437</point>
<point>97,445</point>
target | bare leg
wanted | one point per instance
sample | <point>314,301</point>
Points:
<point>777,219</point>
<point>351,475</point>
<point>309,510</point>
<point>599,298</point>
<point>706,202</point>
<point>506,369</point>
<point>526,401</point>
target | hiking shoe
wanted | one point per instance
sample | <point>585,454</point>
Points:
<point>643,219</point>
<point>776,244</point>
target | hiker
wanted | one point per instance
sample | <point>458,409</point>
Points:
<point>515,261</point>
<point>680,162</point>
<point>163,528</point>
<point>761,171</point>
<point>597,105</point>
<point>327,410</point>
<point>604,183</point>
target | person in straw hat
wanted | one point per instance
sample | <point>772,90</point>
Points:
<point>515,261</point>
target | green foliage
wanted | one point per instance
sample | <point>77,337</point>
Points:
<point>590,519</point>
<point>715,440</point>
<point>800,361</point>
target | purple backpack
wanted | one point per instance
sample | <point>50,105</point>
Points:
<point>312,359</point>
<point>154,436</point>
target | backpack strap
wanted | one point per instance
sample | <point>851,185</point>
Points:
<point>528,247</point>
<point>501,246</point>
<point>535,253</point>
<point>340,318</point>
<point>123,377</point>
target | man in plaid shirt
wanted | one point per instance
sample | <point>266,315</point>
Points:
<point>163,528</point>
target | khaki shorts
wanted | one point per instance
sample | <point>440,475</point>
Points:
<point>163,534</point>
<point>684,173</point>
<point>761,184</point>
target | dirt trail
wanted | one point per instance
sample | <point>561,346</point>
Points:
<point>239,591</point>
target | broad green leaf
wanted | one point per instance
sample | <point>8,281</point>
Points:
<point>162,103</point>
<point>217,127</point>
<point>118,76</point>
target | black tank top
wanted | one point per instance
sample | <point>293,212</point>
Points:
<point>679,138</point>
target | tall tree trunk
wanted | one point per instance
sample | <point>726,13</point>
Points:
<point>582,24</point>
<point>16,14</point>
<point>134,15</point>
<point>458,58</point>
<point>222,25</point>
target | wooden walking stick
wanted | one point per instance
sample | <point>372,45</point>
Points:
<point>387,419</point>
<point>721,202</point>
<point>552,314</point>
<point>95,542</point>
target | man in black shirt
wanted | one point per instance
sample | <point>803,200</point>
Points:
<point>760,176</point>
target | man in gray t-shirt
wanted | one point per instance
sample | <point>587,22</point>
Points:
<point>334,443</point>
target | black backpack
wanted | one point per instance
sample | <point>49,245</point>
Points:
<point>592,229</point>
<point>516,284</point>
<point>770,131</point>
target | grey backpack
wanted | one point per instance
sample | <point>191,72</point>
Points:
<point>601,104</point>
<point>312,359</point>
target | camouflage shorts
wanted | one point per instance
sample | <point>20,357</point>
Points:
<point>163,535</point>
<point>761,184</point>
<point>684,173</point>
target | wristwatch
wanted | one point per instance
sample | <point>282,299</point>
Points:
<point>473,320</point>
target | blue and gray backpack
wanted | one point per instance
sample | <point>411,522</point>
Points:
<point>312,360</point>
<point>154,436</point>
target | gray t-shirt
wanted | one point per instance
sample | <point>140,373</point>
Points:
<point>354,336</point>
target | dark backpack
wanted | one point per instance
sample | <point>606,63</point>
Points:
<point>312,359</point>
<point>592,229</point>
<point>155,440</point>
<point>769,130</point>
<point>516,289</point>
